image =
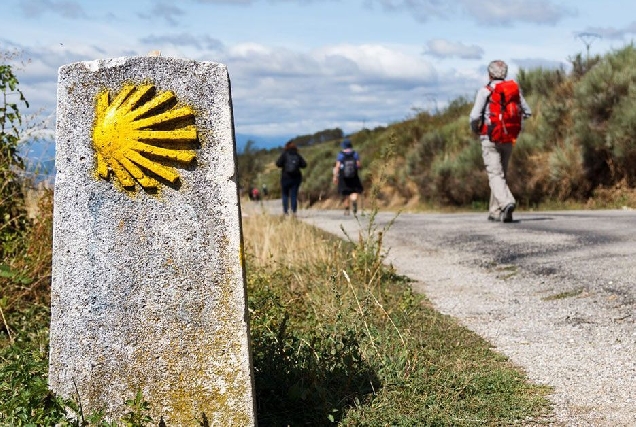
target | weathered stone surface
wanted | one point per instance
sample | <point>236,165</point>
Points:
<point>148,288</point>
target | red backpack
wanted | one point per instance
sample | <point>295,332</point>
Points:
<point>505,114</point>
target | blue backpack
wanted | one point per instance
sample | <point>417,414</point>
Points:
<point>349,165</point>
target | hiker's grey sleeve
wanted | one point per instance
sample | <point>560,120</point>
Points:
<point>524,107</point>
<point>478,108</point>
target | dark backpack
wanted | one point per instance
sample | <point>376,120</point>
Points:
<point>349,165</point>
<point>292,163</point>
<point>505,114</point>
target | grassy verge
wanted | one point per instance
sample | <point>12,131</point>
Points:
<point>339,337</point>
<point>24,319</point>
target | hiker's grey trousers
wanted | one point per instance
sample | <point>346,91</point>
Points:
<point>496,158</point>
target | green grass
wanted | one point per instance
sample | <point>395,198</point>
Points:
<point>506,272</point>
<point>337,338</point>
<point>347,340</point>
<point>563,295</point>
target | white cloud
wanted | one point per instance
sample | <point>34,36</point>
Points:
<point>278,90</point>
<point>290,90</point>
<point>506,12</point>
<point>64,8</point>
<point>238,2</point>
<point>256,61</point>
<point>38,77</point>
<point>609,33</point>
<point>281,91</point>
<point>164,9</point>
<point>376,63</point>
<point>422,10</point>
<point>441,48</point>
<point>324,88</point>
<point>530,63</point>
<point>248,2</point>
<point>202,43</point>
<point>487,12</point>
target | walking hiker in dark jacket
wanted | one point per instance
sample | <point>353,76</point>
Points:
<point>345,174</point>
<point>290,162</point>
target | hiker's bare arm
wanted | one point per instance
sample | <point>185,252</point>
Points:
<point>335,171</point>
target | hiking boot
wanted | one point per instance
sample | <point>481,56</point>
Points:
<point>506,214</point>
<point>355,208</point>
<point>346,211</point>
<point>491,217</point>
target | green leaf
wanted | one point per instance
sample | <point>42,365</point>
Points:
<point>8,273</point>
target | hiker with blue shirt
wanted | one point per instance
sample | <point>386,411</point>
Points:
<point>345,174</point>
<point>290,162</point>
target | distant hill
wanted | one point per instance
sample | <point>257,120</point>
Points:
<point>278,141</point>
<point>39,159</point>
<point>261,142</point>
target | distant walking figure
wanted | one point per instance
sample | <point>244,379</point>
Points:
<point>345,174</point>
<point>497,116</point>
<point>290,162</point>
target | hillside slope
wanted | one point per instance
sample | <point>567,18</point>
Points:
<point>577,149</point>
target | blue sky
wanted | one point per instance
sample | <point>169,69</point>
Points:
<point>300,66</point>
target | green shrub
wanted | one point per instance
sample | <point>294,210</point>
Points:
<point>24,392</point>
<point>604,120</point>
<point>306,369</point>
<point>567,176</point>
<point>13,218</point>
<point>539,81</point>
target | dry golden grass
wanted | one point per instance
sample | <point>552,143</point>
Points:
<point>284,241</point>
<point>618,197</point>
<point>31,268</point>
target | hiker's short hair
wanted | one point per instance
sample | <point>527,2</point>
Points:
<point>498,69</point>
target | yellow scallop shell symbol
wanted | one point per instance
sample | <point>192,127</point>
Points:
<point>138,132</point>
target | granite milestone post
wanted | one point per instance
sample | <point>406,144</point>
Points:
<point>148,292</point>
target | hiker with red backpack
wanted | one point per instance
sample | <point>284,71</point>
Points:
<point>497,116</point>
<point>345,174</point>
<point>290,162</point>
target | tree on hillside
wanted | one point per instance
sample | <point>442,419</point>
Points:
<point>13,219</point>
<point>318,137</point>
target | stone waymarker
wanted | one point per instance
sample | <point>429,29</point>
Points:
<point>148,289</point>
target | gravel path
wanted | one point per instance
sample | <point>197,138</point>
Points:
<point>554,291</point>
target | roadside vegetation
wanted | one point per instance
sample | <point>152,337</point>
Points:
<point>337,335</point>
<point>576,151</point>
